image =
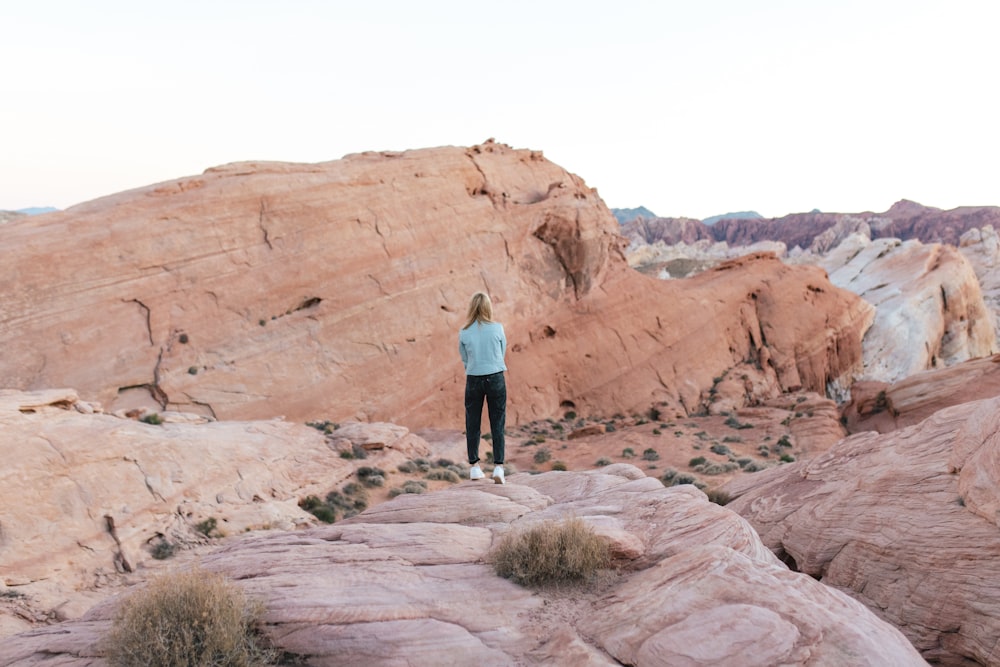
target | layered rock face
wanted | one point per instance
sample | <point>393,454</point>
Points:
<point>907,522</point>
<point>884,407</point>
<point>410,581</point>
<point>86,496</point>
<point>929,308</point>
<point>336,290</point>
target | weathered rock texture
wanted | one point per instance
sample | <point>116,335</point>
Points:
<point>929,307</point>
<point>336,290</point>
<point>884,407</point>
<point>409,582</point>
<point>84,496</point>
<point>981,246</point>
<point>907,522</point>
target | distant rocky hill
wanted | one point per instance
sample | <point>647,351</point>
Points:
<point>741,215</point>
<point>623,215</point>
<point>904,220</point>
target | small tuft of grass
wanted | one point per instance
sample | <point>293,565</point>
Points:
<point>551,553</point>
<point>187,618</point>
<point>718,497</point>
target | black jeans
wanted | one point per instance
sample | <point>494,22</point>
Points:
<point>494,389</point>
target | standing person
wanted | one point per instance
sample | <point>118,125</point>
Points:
<point>482,345</point>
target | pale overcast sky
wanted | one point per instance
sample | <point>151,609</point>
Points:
<point>689,108</point>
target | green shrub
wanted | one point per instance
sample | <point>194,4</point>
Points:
<point>720,449</point>
<point>542,455</point>
<point>207,527</point>
<point>153,418</point>
<point>628,453</point>
<point>407,467</point>
<point>558,465</point>
<point>787,458</point>
<point>650,454</point>
<point>445,463</point>
<point>697,461</point>
<point>601,462</point>
<point>570,415</point>
<point>187,618</point>
<point>713,468</point>
<point>551,552</point>
<point>783,441</point>
<point>163,549</point>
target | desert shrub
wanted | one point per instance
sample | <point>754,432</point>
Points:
<point>610,427</point>
<point>713,468</point>
<point>326,426</point>
<point>187,618</point>
<point>720,449</point>
<point>152,418</point>
<point>783,441</point>
<point>732,438</point>
<point>754,467</point>
<point>206,527</point>
<point>542,455</point>
<point>601,462</point>
<point>656,431</point>
<point>410,486</point>
<point>422,464</point>
<point>787,458</point>
<point>347,455</point>
<point>445,463</point>
<point>697,461</point>
<point>558,465</point>
<point>570,415</point>
<point>443,474</point>
<point>674,478</point>
<point>407,467</point>
<point>718,497</point>
<point>650,454</point>
<point>551,552</point>
<point>324,513</point>
<point>628,453</point>
<point>538,437</point>
<point>370,476</point>
<point>163,549</point>
<point>489,457</point>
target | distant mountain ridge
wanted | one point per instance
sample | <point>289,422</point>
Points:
<point>741,215</point>
<point>904,220</point>
<point>623,215</point>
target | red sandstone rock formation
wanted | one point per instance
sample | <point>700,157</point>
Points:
<point>884,407</point>
<point>410,581</point>
<point>907,522</point>
<point>335,291</point>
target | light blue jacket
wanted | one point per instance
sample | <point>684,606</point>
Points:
<point>483,347</point>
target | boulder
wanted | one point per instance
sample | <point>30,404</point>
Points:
<point>906,522</point>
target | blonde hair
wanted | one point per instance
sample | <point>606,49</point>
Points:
<point>480,310</point>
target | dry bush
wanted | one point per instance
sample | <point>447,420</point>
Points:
<point>186,618</point>
<point>551,552</point>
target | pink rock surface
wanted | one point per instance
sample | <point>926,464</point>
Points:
<point>335,291</point>
<point>385,589</point>
<point>906,522</point>
<point>68,477</point>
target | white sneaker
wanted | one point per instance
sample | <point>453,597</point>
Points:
<point>475,472</point>
<point>498,475</point>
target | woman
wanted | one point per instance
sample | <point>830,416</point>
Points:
<point>482,345</point>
